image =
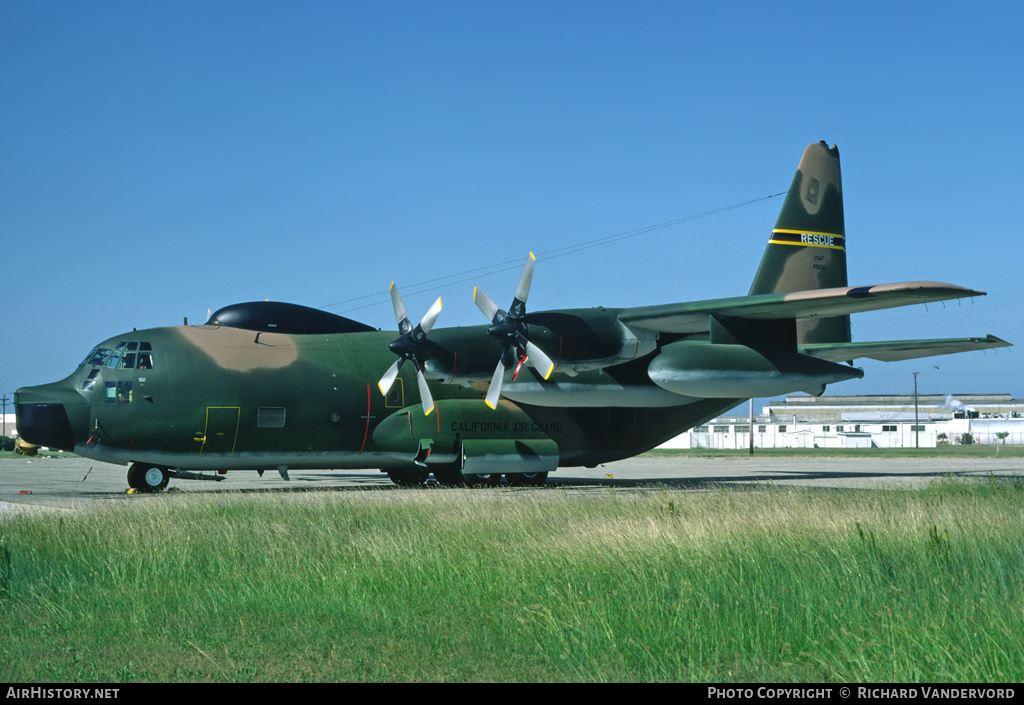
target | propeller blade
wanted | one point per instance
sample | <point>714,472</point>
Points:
<point>494,391</point>
<point>541,362</point>
<point>523,290</point>
<point>430,316</point>
<point>425,399</point>
<point>511,329</point>
<point>404,326</point>
<point>388,380</point>
<point>411,344</point>
<point>485,304</point>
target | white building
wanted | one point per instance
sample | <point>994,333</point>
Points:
<point>876,421</point>
<point>9,425</point>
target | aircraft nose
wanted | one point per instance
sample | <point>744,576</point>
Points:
<point>42,416</point>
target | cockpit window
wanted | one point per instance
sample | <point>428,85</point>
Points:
<point>118,393</point>
<point>123,357</point>
<point>115,359</point>
<point>89,382</point>
<point>98,356</point>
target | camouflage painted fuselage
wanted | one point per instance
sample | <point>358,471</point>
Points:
<point>270,385</point>
<point>217,397</point>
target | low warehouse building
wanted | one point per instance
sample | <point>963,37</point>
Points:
<point>870,421</point>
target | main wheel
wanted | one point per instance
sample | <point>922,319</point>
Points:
<point>449,476</point>
<point>409,477</point>
<point>526,479</point>
<point>482,480</point>
<point>147,478</point>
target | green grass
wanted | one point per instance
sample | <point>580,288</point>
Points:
<point>512,585</point>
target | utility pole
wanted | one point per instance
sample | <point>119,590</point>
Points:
<point>917,424</point>
<point>751,426</point>
<point>4,400</point>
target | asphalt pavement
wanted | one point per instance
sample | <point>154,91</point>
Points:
<point>41,484</point>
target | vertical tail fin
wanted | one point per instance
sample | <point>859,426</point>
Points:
<point>807,249</point>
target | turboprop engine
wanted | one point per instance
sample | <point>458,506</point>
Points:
<point>703,369</point>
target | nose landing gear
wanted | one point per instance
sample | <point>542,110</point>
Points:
<point>143,477</point>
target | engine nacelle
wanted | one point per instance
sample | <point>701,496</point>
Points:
<point>703,369</point>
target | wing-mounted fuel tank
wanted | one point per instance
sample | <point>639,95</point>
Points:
<point>716,370</point>
<point>744,358</point>
<point>469,436</point>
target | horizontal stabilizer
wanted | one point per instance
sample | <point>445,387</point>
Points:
<point>895,350</point>
<point>692,317</point>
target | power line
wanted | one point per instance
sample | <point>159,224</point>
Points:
<point>467,275</point>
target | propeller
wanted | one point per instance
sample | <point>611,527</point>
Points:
<point>510,328</point>
<point>410,345</point>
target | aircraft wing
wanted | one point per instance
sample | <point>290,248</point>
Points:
<point>894,350</point>
<point>692,317</point>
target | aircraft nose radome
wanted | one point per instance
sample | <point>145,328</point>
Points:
<point>45,425</point>
<point>43,420</point>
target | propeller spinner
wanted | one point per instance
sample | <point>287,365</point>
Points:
<point>410,345</point>
<point>510,328</point>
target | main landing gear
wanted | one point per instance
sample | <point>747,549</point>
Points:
<point>409,477</point>
<point>526,479</point>
<point>451,477</point>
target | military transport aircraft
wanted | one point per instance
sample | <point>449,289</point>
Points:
<point>269,385</point>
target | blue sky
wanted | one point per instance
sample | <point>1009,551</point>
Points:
<point>161,159</point>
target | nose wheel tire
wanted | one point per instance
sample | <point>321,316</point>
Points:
<point>147,478</point>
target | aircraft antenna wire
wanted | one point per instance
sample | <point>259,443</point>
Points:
<point>486,271</point>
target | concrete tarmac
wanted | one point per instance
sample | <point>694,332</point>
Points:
<point>41,484</point>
